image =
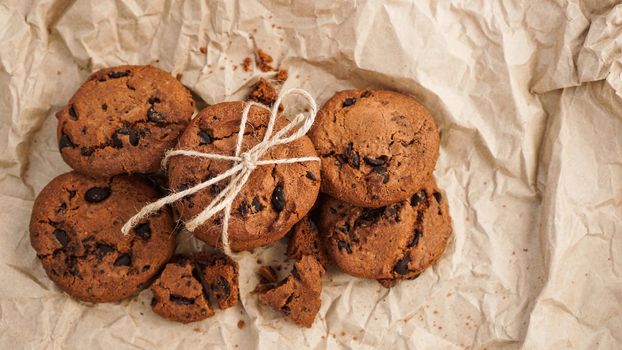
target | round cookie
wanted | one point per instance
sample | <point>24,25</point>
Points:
<point>275,196</point>
<point>377,147</point>
<point>397,241</point>
<point>75,230</point>
<point>122,120</point>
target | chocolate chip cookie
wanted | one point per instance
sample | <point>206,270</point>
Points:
<point>377,147</point>
<point>75,230</point>
<point>189,284</point>
<point>298,296</point>
<point>122,120</point>
<point>305,240</point>
<point>275,196</point>
<point>397,241</point>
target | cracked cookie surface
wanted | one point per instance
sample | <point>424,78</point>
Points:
<point>377,147</point>
<point>394,242</point>
<point>275,196</point>
<point>75,230</point>
<point>122,120</point>
<point>189,286</point>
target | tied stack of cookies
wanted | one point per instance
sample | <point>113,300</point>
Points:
<point>370,153</point>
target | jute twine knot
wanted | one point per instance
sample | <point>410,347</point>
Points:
<point>243,165</point>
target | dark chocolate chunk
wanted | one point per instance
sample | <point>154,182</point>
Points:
<point>417,235</point>
<point>103,250</point>
<point>155,116</point>
<point>65,141</point>
<point>286,310</point>
<point>257,205</point>
<point>85,151</point>
<point>178,299</point>
<point>343,244</point>
<point>226,288</point>
<point>349,101</point>
<point>115,75</point>
<point>295,273</point>
<point>401,266</point>
<point>72,194</point>
<point>438,197</point>
<point>153,100</point>
<point>418,197</point>
<point>205,137</point>
<point>370,215</point>
<point>382,170</point>
<point>133,138</point>
<point>243,208</point>
<point>61,236</point>
<point>97,194</point>
<point>311,176</point>
<point>376,161</point>
<point>351,157</point>
<point>72,113</point>
<point>116,141</point>
<point>104,106</point>
<point>124,259</point>
<point>278,198</point>
<point>143,231</point>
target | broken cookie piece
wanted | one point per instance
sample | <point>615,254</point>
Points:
<point>178,295</point>
<point>189,284</point>
<point>220,275</point>
<point>305,240</point>
<point>297,296</point>
<point>263,92</point>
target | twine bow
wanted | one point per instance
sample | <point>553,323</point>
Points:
<point>243,165</point>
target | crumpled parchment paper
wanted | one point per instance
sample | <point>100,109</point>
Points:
<point>526,95</point>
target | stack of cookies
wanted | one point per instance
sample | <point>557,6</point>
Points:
<point>381,215</point>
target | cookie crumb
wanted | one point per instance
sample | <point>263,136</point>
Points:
<point>282,75</point>
<point>246,64</point>
<point>263,92</point>
<point>241,324</point>
<point>203,50</point>
<point>263,61</point>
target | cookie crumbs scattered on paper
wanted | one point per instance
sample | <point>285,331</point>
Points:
<point>246,64</point>
<point>263,92</point>
<point>263,61</point>
<point>282,75</point>
<point>241,324</point>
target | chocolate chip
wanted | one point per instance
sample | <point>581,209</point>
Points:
<point>104,106</point>
<point>243,208</point>
<point>418,197</point>
<point>116,142</point>
<point>226,287</point>
<point>72,194</point>
<point>205,137</point>
<point>155,116</point>
<point>71,262</point>
<point>143,231</point>
<point>103,250</point>
<point>382,170</point>
<point>370,215</point>
<point>65,141</point>
<point>61,208</point>
<point>72,113</point>
<point>85,151</point>
<point>146,268</point>
<point>402,266</point>
<point>178,299</point>
<point>124,259</point>
<point>61,236</point>
<point>115,75</point>
<point>153,100</point>
<point>343,244</point>
<point>295,273</point>
<point>311,176</point>
<point>286,310</point>
<point>366,93</point>
<point>257,205</point>
<point>351,157</point>
<point>97,194</point>
<point>438,197</point>
<point>375,161</point>
<point>133,138</point>
<point>278,198</point>
<point>417,235</point>
<point>349,102</point>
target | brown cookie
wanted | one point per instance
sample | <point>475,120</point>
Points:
<point>377,147</point>
<point>297,296</point>
<point>305,240</point>
<point>397,241</point>
<point>75,229</point>
<point>189,284</point>
<point>178,295</point>
<point>275,196</point>
<point>122,120</point>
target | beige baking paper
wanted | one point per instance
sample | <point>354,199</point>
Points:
<point>526,95</point>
